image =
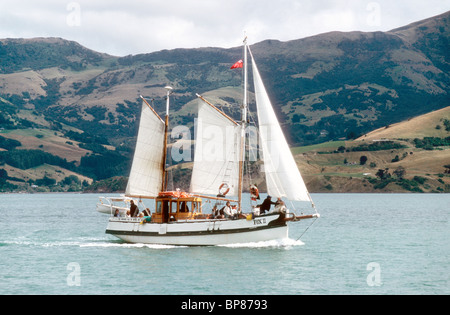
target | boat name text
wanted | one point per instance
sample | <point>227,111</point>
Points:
<point>259,221</point>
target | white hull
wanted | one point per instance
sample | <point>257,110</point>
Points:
<point>199,232</point>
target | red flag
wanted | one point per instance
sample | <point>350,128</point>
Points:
<point>238,64</point>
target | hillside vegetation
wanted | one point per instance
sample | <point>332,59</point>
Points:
<point>81,108</point>
<point>412,156</point>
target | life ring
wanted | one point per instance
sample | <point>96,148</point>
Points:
<point>224,189</point>
<point>254,192</point>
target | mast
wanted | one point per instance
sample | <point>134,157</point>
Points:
<point>244,107</point>
<point>166,131</point>
<point>243,124</point>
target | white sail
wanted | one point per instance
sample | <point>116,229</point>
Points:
<point>283,178</point>
<point>147,172</point>
<point>216,159</point>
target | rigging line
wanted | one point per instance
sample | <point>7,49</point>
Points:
<point>293,206</point>
<point>307,229</point>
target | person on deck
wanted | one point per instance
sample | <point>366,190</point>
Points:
<point>215,212</point>
<point>146,212</point>
<point>280,206</point>
<point>265,206</point>
<point>227,211</point>
<point>133,209</point>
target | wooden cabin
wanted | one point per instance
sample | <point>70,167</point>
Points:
<point>172,208</point>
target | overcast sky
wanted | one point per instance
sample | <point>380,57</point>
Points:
<point>122,27</point>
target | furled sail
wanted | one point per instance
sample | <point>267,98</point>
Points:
<point>147,169</point>
<point>283,178</point>
<point>216,159</point>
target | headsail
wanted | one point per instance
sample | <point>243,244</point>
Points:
<point>216,158</point>
<point>283,178</point>
<point>147,169</point>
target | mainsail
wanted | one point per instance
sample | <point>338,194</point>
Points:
<point>217,151</point>
<point>283,178</point>
<point>216,158</point>
<point>147,170</point>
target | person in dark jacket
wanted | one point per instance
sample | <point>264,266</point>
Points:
<point>265,206</point>
<point>133,209</point>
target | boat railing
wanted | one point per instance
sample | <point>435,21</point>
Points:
<point>105,201</point>
<point>126,219</point>
<point>247,216</point>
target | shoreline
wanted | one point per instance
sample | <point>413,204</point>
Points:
<point>318,192</point>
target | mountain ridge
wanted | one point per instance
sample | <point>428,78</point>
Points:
<point>328,87</point>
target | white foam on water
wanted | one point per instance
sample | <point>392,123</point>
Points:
<point>286,243</point>
<point>280,243</point>
<point>129,245</point>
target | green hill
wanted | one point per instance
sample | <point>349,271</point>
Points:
<point>83,106</point>
<point>414,156</point>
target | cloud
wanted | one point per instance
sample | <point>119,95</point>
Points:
<point>122,27</point>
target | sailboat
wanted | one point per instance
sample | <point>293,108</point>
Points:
<point>181,218</point>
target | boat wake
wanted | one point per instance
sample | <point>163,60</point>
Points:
<point>285,243</point>
<point>129,245</point>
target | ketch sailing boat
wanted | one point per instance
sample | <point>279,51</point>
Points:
<point>178,217</point>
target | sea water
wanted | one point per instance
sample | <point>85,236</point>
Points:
<point>361,244</point>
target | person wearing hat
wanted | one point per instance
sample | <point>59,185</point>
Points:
<point>265,206</point>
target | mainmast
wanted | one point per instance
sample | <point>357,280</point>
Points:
<point>166,131</point>
<point>243,125</point>
<point>244,103</point>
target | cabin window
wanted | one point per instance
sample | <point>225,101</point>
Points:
<point>161,206</point>
<point>158,207</point>
<point>185,206</point>
<point>174,207</point>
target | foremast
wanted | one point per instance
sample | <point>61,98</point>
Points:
<point>166,132</point>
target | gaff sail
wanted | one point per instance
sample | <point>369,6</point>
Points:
<point>216,159</point>
<point>147,170</point>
